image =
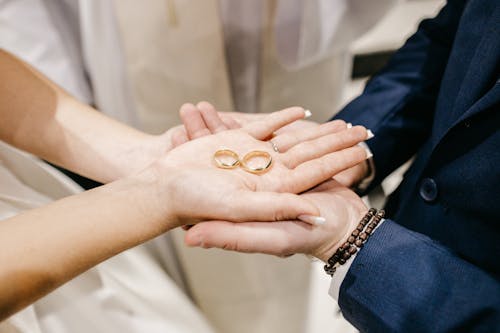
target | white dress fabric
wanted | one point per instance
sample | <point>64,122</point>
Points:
<point>129,293</point>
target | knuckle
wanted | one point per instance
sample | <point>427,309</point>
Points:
<point>279,214</point>
<point>230,246</point>
<point>324,167</point>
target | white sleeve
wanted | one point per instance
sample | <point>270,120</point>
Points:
<point>308,31</point>
<point>339,277</point>
<point>341,272</point>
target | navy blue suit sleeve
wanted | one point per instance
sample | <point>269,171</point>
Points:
<point>403,281</point>
<point>399,102</point>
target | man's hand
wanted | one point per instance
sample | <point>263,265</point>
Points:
<point>341,207</point>
<point>353,176</point>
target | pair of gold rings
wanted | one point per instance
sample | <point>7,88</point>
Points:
<point>228,159</point>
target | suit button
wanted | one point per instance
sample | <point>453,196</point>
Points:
<point>428,190</point>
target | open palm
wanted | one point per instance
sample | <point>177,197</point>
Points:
<point>200,190</point>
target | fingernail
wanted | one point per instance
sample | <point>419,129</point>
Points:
<point>307,113</point>
<point>314,220</point>
<point>368,153</point>
<point>369,134</point>
<point>349,125</point>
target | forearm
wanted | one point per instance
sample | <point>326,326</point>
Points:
<point>398,103</point>
<point>39,117</point>
<point>46,247</point>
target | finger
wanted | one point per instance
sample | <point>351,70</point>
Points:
<point>289,139</point>
<point>352,176</point>
<point>277,238</point>
<point>211,117</point>
<point>314,172</point>
<point>261,129</point>
<point>179,136</point>
<point>229,121</point>
<point>193,121</point>
<point>268,206</point>
<point>316,148</point>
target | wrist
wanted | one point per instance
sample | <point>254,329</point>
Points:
<point>139,151</point>
<point>154,185</point>
<point>353,216</point>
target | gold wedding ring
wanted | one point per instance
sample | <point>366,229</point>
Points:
<point>222,154</point>
<point>260,169</point>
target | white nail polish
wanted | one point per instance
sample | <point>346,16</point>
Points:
<point>307,114</point>
<point>314,220</point>
<point>368,154</point>
<point>349,125</point>
<point>369,134</point>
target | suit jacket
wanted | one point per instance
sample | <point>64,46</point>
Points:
<point>434,265</point>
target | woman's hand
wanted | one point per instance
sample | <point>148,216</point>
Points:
<point>192,188</point>
<point>341,208</point>
<point>197,121</point>
<point>349,178</point>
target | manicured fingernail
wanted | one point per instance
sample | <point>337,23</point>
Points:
<point>307,113</point>
<point>349,125</point>
<point>368,153</point>
<point>369,134</point>
<point>315,220</point>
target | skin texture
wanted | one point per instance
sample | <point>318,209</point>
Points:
<point>158,188</point>
<point>349,177</point>
<point>341,208</point>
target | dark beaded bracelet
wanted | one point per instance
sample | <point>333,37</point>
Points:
<point>338,254</point>
<point>355,241</point>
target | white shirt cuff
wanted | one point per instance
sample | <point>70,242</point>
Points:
<point>338,278</point>
<point>341,272</point>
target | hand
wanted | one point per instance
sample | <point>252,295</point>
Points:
<point>203,119</point>
<point>199,121</point>
<point>198,190</point>
<point>195,121</point>
<point>246,118</point>
<point>349,178</point>
<point>146,149</point>
<point>341,207</point>
<point>353,176</point>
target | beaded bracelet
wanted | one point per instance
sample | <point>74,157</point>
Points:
<point>355,241</point>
